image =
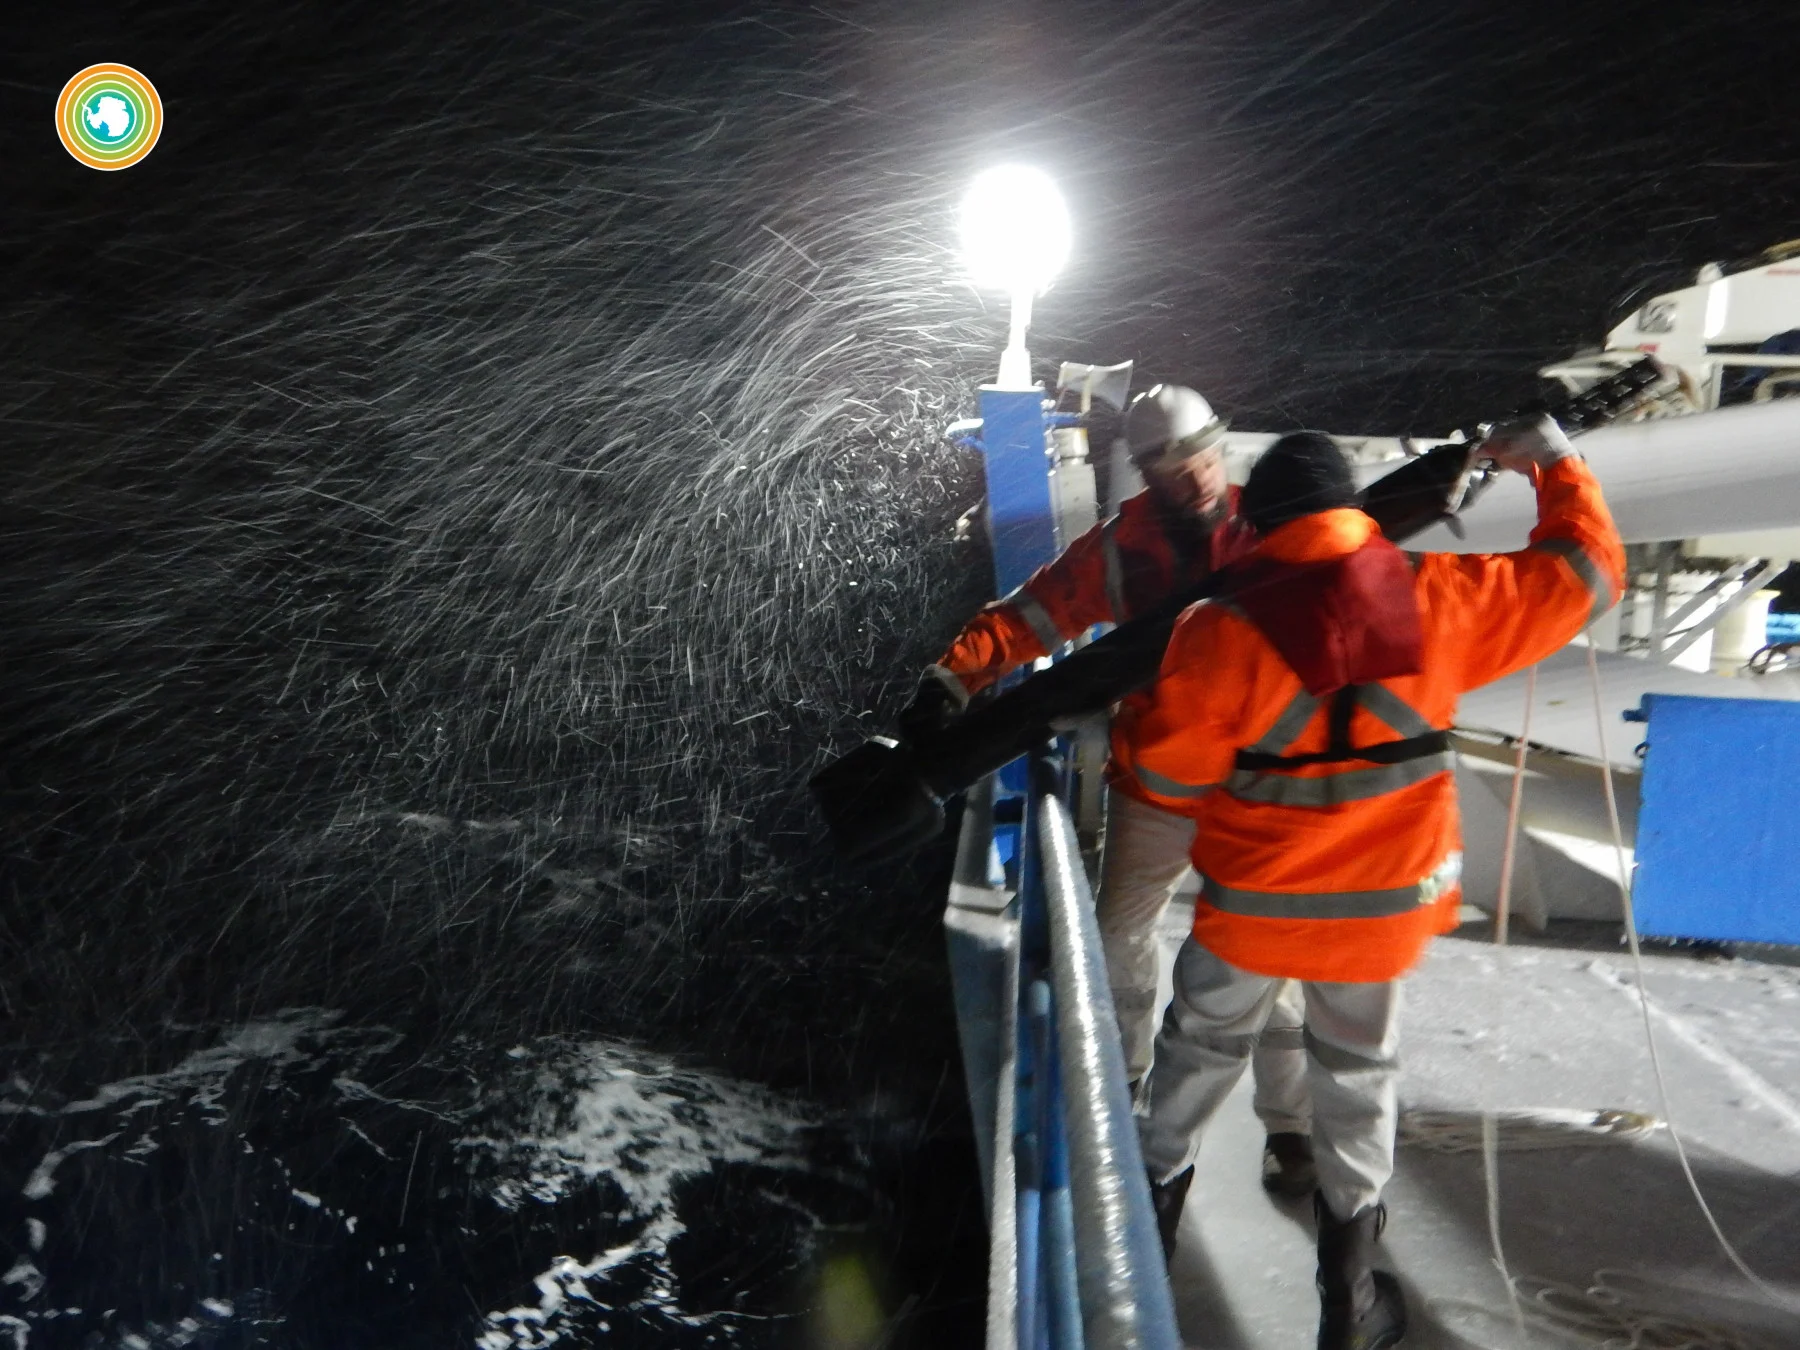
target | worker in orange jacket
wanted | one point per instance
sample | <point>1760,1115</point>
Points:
<point>1301,721</point>
<point>1175,533</point>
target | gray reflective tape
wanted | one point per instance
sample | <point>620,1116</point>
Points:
<point>1443,879</point>
<point>1581,562</point>
<point>1313,904</point>
<point>1036,617</point>
<point>1288,726</point>
<point>1351,785</point>
<point>1339,1060</point>
<point>1237,1047</point>
<point>1393,710</point>
<point>1282,1038</point>
<point>952,682</point>
<point>1169,787</point>
<point>1115,571</point>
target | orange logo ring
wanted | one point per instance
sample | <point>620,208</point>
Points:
<point>122,130</point>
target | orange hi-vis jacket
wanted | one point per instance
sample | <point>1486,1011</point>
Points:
<point>1335,867</point>
<point>1120,569</point>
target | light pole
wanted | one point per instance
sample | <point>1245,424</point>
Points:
<point>1015,237</point>
<point>1014,231</point>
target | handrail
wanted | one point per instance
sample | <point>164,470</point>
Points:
<point>1124,1284</point>
<point>1074,1260</point>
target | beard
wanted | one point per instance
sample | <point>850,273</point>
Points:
<point>1209,517</point>
<point>1190,525</point>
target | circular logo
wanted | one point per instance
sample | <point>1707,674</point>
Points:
<point>109,117</point>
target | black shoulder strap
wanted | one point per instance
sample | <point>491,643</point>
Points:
<point>1343,708</point>
<point>1339,749</point>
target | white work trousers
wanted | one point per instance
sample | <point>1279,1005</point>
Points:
<point>1144,862</point>
<point>1351,1035</point>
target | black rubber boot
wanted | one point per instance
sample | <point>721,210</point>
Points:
<point>1287,1165</point>
<point>1360,1308</point>
<point>1168,1197</point>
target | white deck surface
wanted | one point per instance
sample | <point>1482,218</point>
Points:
<point>1541,1027</point>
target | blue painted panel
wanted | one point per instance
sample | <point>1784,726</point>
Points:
<point>1020,515</point>
<point>1721,804</point>
<point>1782,628</point>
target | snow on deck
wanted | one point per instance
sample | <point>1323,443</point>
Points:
<point>1544,1027</point>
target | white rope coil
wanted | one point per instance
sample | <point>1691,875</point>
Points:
<point>1617,1311</point>
<point>1525,1129</point>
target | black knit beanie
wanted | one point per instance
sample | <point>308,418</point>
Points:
<point>1301,473</point>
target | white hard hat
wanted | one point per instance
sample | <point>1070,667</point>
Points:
<point>1170,420</point>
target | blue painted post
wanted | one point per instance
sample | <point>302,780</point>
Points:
<point>1015,448</point>
<point>1060,1323</point>
<point>1037,1107</point>
<point>1028,1162</point>
<point>1021,514</point>
<point>1061,1281</point>
<point>1044,1113</point>
<point>1015,445</point>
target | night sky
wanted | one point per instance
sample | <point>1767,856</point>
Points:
<point>458,486</point>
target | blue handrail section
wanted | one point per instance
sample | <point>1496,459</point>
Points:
<point>1075,1260</point>
<point>1122,1277</point>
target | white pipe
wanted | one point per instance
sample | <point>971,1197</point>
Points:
<point>1015,361</point>
<point>1741,634</point>
<point>1671,478</point>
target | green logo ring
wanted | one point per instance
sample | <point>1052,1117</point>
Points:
<point>95,145</point>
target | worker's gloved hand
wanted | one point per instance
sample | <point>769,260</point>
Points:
<point>933,706</point>
<point>1523,446</point>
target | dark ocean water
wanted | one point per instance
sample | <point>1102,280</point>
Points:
<point>301,1181</point>
<point>458,486</point>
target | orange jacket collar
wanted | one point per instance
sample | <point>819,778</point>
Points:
<point>1318,537</point>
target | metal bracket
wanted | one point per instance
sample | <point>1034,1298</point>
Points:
<point>1748,579</point>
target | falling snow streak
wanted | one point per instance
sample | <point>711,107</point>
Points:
<point>538,418</point>
<point>567,464</point>
<point>458,487</point>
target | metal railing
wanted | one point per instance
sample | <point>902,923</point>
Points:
<point>1074,1257</point>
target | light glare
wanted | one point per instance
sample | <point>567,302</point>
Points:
<point>1717,299</point>
<point>1015,229</point>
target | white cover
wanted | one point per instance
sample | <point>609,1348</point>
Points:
<point>1672,478</point>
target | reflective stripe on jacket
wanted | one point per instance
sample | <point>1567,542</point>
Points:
<point>1343,870</point>
<point>1118,570</point>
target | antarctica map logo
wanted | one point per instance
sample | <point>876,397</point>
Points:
<point>109,116</point>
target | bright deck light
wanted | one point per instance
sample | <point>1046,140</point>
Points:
<point>1015,237</point>
<point>1015,229</point>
